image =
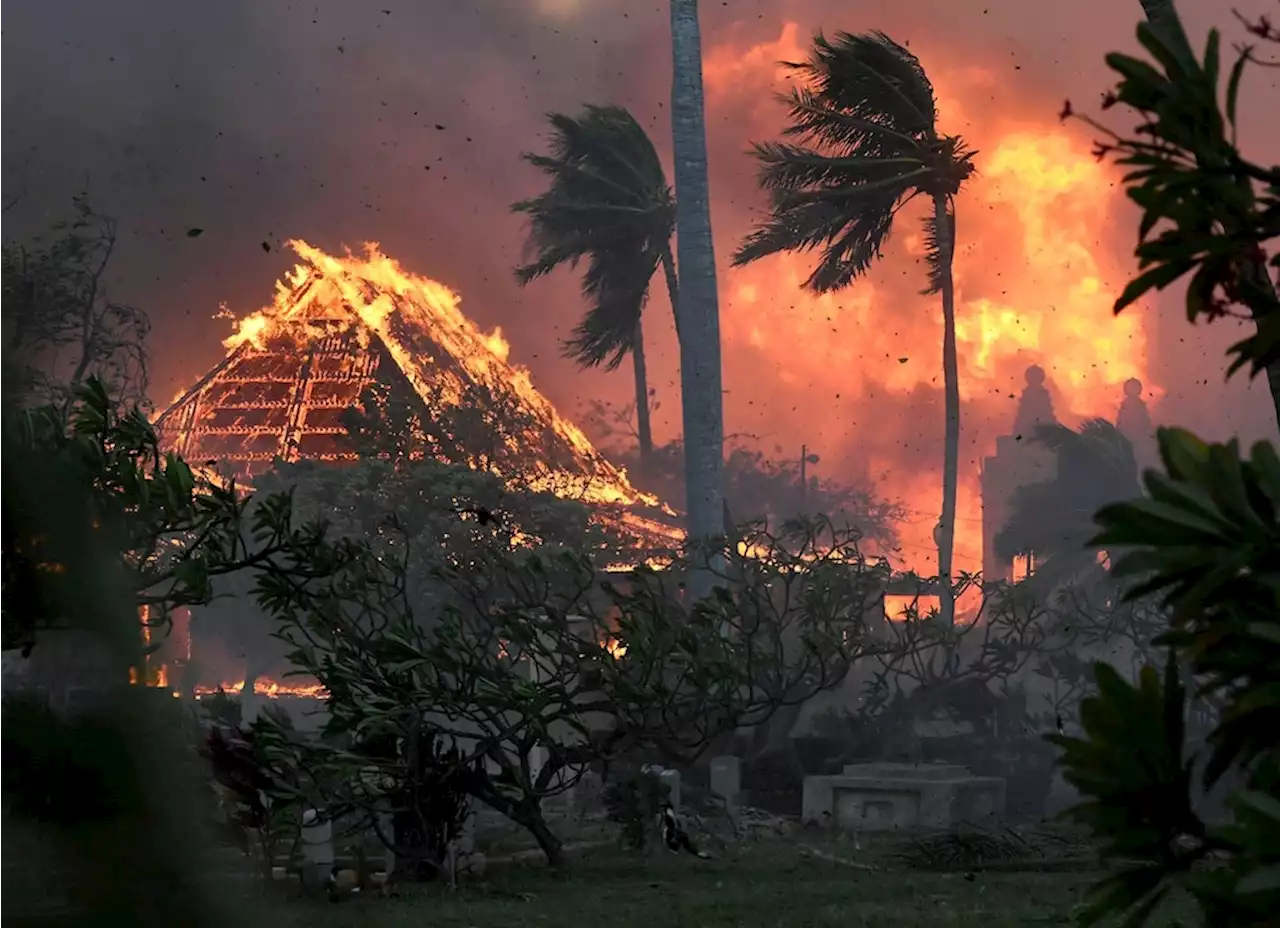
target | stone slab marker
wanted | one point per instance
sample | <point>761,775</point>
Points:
<point>671,780</point>
<point>317,849</point>
<point>726,777</point>
<point>387,826</point>
<point>250,707</point>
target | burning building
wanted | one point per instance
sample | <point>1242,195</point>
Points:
<point>341,329</point>
<point>340,325</point>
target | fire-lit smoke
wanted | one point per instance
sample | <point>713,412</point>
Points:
<point>857,375</point>
<point>430,171</point>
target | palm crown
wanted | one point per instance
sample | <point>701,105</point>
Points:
<point>867,120</point>
<point>608,202</point>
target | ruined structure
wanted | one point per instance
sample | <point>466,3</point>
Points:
<point>1018,461</point>
<point>339,326</point>
<point>341,330</point>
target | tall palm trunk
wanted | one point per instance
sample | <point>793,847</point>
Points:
<point>673,291</point>
<point>1254,276</point>
<point>644,432</point>
<point>697,305</point>
<point>673,287</point>
<point>944,219</point>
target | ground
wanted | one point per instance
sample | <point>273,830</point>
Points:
<point>778,883</point>
<point>770,882</point>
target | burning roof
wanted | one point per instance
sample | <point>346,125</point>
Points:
<point>339,326</point>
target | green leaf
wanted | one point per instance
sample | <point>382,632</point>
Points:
<point>1200,291</point>
<point>1212,61</point>
<point>1144,521</point>
<point>1262,880</point>
<point>1233,87</point>
<point>1184,455</point>
<point>1265,805</point>
<point>1266,464</point>
<point>1157,278</point>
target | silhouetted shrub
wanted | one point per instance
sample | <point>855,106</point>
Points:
<point>65,770</point>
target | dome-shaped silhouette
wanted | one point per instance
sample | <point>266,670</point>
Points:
<point>1035,407</point>
<point>1134,420</point>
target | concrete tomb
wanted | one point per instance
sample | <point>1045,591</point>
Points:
<point>881,797</point>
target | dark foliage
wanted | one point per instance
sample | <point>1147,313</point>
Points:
<point>633,800</point>
<point>759,488</point>
<point>535,652</point>
<point>61,326</point>
<point>92,507</point>
<point>66,770</point>
<point>1206,540</point>
<point>1207,210</point>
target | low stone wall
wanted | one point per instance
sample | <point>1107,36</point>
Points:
<point>74,670</point>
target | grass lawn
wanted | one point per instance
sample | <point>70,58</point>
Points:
<point>767,884</point>
<point>775,882</point>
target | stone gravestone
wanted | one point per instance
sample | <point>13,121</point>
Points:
<point>317,849</point>
<point>387,828</point>
<point>251,705</point>
<point>888,796</point>
<point>588,797</point>
<point>726,778</point>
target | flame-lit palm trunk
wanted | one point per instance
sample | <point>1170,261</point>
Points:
<point>644,431</point>
<point>945,220</point>
<point>697,305</point>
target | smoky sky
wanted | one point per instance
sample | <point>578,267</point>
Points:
<point>343,121</point>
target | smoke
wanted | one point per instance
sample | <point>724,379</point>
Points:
<point>340,121</point>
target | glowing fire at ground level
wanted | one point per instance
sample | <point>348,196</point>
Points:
<point>273,689</point>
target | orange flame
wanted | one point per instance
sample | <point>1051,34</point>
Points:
<point>380,291</point>
<point>1043,247</point>
<point>272,689</point>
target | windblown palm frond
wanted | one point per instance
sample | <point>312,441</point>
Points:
<point>866,119</point>
<point>609,203</point>
<point>1054,518</point>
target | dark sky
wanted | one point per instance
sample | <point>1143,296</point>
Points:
<point>342,121</point>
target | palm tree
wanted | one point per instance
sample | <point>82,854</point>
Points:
<point>868,115</point>
<point>1053,519</point>
<point>608,202</point>
<point>697,305</point>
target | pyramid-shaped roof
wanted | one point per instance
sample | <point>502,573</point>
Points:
<point>340,325</point>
